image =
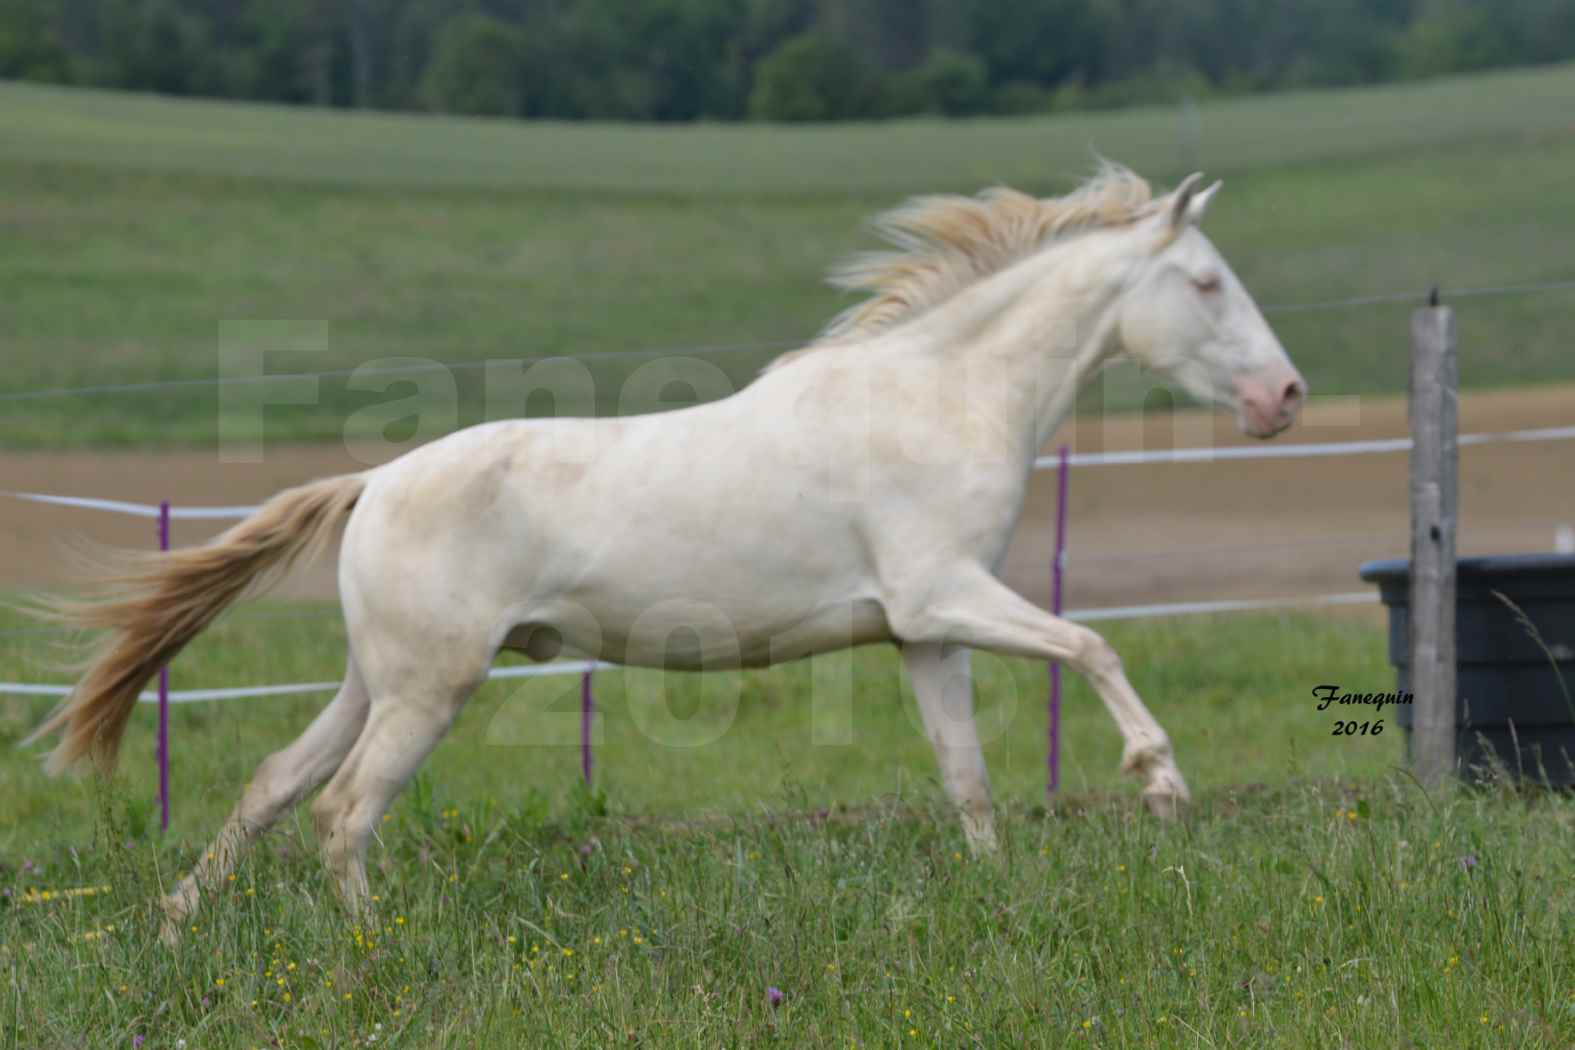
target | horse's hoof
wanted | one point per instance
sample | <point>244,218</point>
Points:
<point>175,909</point>
<point>1165,803</point>
<point>1166,793</point>
<point>984,846</point>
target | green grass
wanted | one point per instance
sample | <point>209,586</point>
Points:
<point>1313,898</point>
<point>139,132</point>
<point>726,743</point>
<point>134,228</point>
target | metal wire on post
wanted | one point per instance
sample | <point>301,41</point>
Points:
<point>1057,572</point>
<point>164,696</point>
<point>587,712</point>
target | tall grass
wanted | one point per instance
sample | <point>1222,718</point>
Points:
<point>1302,916</point>
<point>1311,898</point>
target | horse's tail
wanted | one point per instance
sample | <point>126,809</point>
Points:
<point>155,603</point>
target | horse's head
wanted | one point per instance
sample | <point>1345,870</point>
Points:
<point>1188,317</point>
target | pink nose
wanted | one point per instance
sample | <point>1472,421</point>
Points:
<point>1270,403</point>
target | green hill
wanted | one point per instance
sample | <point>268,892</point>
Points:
<point>135,226</point>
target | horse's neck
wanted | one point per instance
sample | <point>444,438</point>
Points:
<point>1030,337</point>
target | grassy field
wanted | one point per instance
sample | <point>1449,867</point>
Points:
<point>1242,717</point>
<point>1314,898</point>
<point>784,829</point>
<point>136,230</point>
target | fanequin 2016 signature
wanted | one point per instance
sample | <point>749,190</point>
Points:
<point>1331,694</point>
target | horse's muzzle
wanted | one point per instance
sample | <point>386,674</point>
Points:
<point>1269,402</point>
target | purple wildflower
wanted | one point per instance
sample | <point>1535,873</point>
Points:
<point>136,1040</point>
<point>774,995</point>
<point>1468,862</point>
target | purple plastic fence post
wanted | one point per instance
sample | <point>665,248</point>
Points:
<point>587,709</point>
<point>164,696</point>
<point>1053,756</point>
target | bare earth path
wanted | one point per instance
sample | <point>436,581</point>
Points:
<point>1138,534</point>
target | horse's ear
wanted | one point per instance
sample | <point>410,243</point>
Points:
<point>1189,203</point>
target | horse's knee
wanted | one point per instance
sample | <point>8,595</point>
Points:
<point>1094,657</point>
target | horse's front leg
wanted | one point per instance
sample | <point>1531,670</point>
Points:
<point>943,687</point>
<point>973,608</point>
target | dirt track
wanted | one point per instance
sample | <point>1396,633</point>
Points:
<point>1138,534</point>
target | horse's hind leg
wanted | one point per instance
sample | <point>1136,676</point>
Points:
<point>412,707</point>
<point>281,780</point>
<point>943,687</point>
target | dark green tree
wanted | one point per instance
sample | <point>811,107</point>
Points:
<point>30,45</point>
<point>155,45</point>
<point>1039,41</point>
<point>811,77</point>
<point>1456,35</point>
<point>657,60</point>
<point>952,84</point>
<point>476,68</point>
<point>772,59</point>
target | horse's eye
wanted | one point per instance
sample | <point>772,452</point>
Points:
<point>1207,284</point>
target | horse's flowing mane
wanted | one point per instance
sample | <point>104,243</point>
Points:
<point>946,243</point>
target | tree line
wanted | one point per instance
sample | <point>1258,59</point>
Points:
<point>789,60</point>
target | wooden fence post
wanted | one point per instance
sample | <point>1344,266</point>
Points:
<point>1434,467</point>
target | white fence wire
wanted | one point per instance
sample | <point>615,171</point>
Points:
<point>1091,459</point>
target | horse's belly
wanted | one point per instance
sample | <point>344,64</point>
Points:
<point>691,635</point>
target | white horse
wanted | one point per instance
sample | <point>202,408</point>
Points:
<point>862,489</point>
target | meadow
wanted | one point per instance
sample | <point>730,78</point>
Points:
<point>144,237</point>
<point>1315,895</point>
<point>765,858</point>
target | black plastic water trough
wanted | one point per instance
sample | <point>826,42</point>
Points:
<point>1511,709</point>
